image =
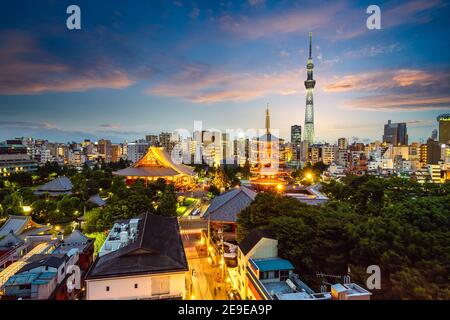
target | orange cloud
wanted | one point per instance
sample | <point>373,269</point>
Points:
<point>395,90</point>
<point>400,102</point>
<point>384,79</point>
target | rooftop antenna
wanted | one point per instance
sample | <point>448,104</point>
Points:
<point>310,45</point>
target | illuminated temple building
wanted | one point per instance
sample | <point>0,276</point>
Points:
<point>269,171</point>
<point>157,164</point>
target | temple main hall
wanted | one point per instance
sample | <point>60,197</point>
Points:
<point>157,164</point>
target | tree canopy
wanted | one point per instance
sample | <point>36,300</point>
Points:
<point>400,225</point>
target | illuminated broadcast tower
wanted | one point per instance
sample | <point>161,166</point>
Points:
<point>309,85</point>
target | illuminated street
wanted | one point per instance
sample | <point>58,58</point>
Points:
<point>202,277</point>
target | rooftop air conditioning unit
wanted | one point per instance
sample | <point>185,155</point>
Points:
<point>291,284</point>
<point>124,236</point>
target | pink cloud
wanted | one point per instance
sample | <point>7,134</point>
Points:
<point>400,102</point>
<point>200,85</point>
<point>395,90</point>
<point>384,79</point>
<point>280,23</point>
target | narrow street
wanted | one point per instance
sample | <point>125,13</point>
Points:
<point>202,278</point>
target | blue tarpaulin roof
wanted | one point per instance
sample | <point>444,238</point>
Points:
<point>272,264</point>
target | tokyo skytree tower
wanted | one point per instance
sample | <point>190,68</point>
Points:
<point>309,85</point>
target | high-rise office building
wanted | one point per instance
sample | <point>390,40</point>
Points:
<point>152,139</point>
<point>104,149</point>
<point>433,151</point>
<point>296,141</point>
<point>444,128</point>
<point>166,141</point>
<point>434,134</point>
<point>310,83</point>
<point>136,150</point>
<point>296,134</point>
<point>395,133</point>
<point>343,143</point>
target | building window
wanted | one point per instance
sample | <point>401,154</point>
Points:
<point>284,275</point>
<point>107,288</point>
<point>135,285</point>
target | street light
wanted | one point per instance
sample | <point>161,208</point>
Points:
<point>26,209</point>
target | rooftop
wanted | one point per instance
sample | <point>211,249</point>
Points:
<point>155,247</point>
<point>35,278</point>
<point>21,226</point>
<point>156,163</point>
<point>350,289</point>
<point>253,238</point>
<point>272,264</point>
<point>228,205</point>
<point>44,260</point>
<point>60,185</point>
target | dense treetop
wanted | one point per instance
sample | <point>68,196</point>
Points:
<point>400,225</point>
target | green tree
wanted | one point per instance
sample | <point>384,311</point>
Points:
<point>168,205</point>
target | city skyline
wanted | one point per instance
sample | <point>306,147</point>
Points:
<point>140,69</point>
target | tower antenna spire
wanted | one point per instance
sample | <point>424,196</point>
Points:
<point>267,119</point>
<point>309,85</point>
<point>310,45</point>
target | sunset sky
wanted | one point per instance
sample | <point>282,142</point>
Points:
<point>140,67</point>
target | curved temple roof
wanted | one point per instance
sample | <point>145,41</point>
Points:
<point>156,163</point>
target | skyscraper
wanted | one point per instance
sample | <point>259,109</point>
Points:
<point>296,134</point>
<point>395,133</point>
<point>433,151</point>
<point>434,134</point>
<point>296,141</point>
<point>444,128</point>
<point>310,83</point>
<point>343,143</point>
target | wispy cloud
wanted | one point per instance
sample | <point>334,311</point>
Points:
<point>256,2</point>
<point>385,79</point>
<point>195,12</point>
<point>279,23</point>
<point>410,12</point>
<point>284,54</point>
<point>27,69</point>
<point>201,84</point>
<point>26,124</point>
<point>110,126</point>
<point>393,14</point>
<point>372,51</point>
<point>396,90</point>
<point>400,102</point>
